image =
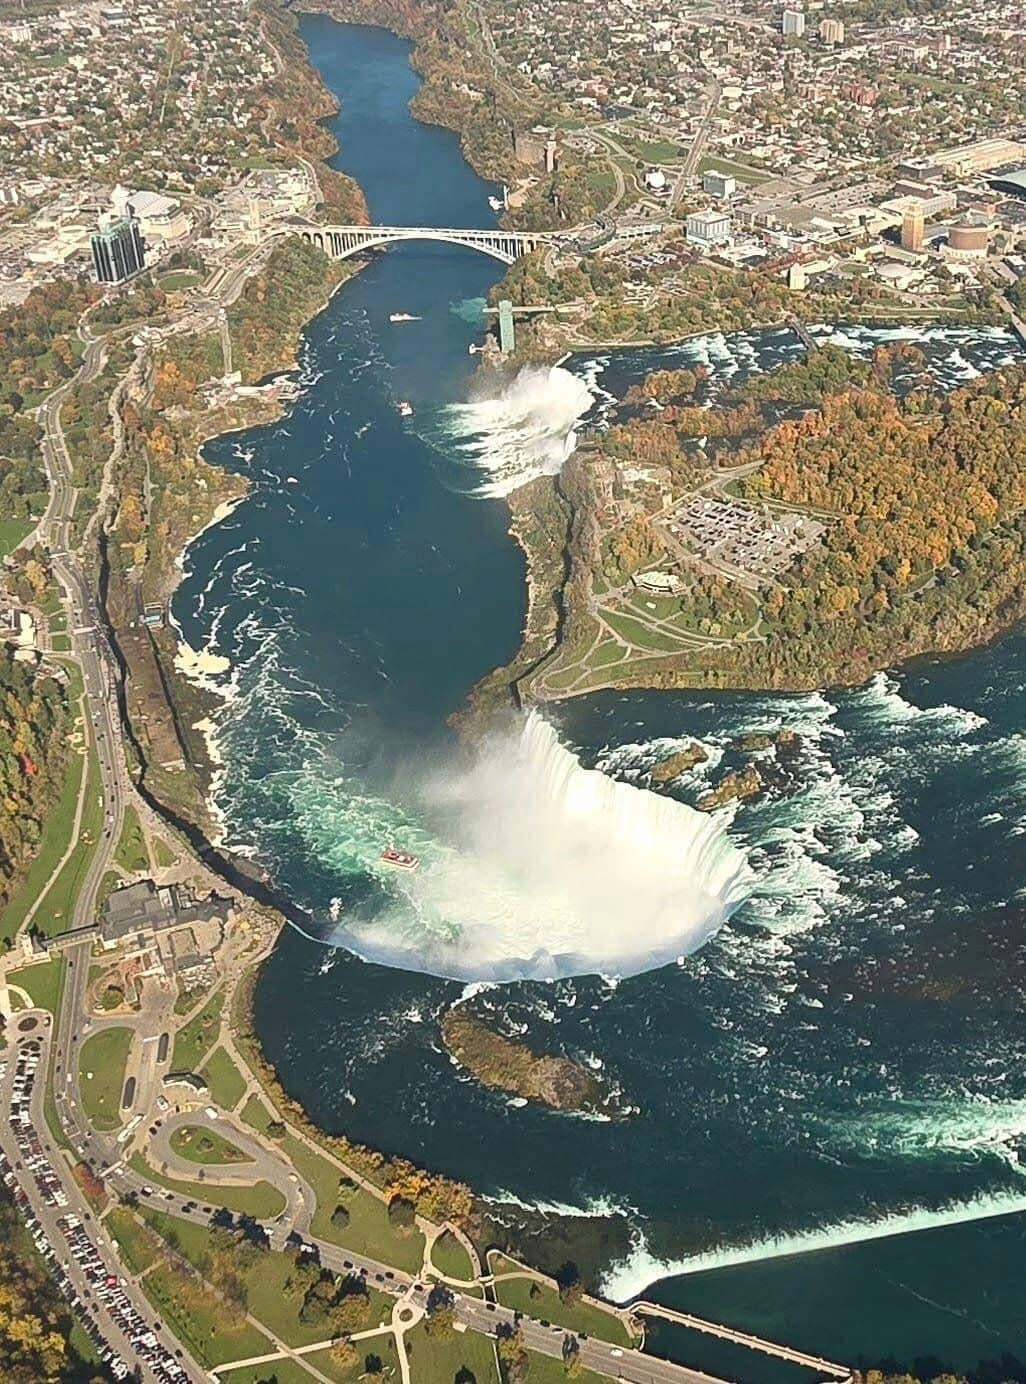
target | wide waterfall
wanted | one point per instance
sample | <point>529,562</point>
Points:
<point>555,870</point>
<point>523,431</point>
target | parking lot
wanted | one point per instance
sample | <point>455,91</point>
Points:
<point>81,1265</point>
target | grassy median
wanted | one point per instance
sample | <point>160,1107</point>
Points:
<point>101,1076</point>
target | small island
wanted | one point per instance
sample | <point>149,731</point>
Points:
<point>505,1065</point>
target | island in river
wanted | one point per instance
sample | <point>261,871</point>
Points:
<point>807,529</point>
<point>503,1064</point>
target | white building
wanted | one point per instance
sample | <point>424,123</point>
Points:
<point>708,228</point>
<point>793,23</point>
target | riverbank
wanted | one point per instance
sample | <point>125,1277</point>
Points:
<point>653,589</point>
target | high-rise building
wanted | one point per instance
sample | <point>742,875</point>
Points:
<point>718,184</point>
<point>912,232</point>
<point>831,31</point>
<point>793,23</point>
<point>118,249</point>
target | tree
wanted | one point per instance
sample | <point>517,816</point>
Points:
<point>340,1217</point>
<point>441,1312</point>
<point>402,1213</point>
<point>568,1281</point>
<point>512,1353</point>
<point>571,1355</point>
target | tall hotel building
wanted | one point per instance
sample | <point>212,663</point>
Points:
<point>118,249</point>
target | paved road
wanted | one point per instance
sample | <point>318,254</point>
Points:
<point>49,1216</point>
<point>698,147</point>
<point>87,641</point>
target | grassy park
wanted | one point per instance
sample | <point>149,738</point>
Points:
<point>56,911</point>
<point>449,1257</point>
<point>131,854</point>
<point>56,837</point>
<point>101,1072</point>
<point>194,1041</point>
<point>205,1146</point>
<point>138,1245</point>
<point>44,982</point>
<point>224,1079</point>
<point>273,1291</point>
<point>440,1359</point>
<point>536,1298</point>
<point>368,1230</point>
<point>261,1201</point>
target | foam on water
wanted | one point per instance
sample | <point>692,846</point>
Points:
<point>630,1277</point>
<point>554,870</point>
<point>526,429</point>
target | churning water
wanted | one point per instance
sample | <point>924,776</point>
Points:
<point>844,1056</point>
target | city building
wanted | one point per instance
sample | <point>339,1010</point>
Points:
<point>708,228</point>
<point>118,249</point>
<point>831,32</point>
<point>718,184</point>
<point>969,239</point>
<point>793,23</point>
<point>912,229</point>
<point>655,181</point>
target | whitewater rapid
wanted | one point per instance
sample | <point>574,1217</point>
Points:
<point>554,870</point>
<point>524,430</point>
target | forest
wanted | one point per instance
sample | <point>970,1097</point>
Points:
<point>38,350</point>
<point>921,495</point>
<point>35,1323</point>
<point>33,753</point>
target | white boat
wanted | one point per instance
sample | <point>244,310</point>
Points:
<point>399,860</point>
<point>496,203</point>
<point>405,408</point>
<point>402,317</point>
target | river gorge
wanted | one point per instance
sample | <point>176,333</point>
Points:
<point>811,1004</point>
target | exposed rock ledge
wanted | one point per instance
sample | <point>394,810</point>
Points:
<point>505,1065</point>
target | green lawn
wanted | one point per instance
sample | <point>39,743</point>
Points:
<point>101,1070</point>
<point>449,1257</point>
<point>12,532</point>
<point>198,1145</point>
<point>194,1041</point>
<point>226,1083</point>
<point>283,1371</point>
<point>271,1296</point>
<point>546,1370</point>
<point>742,172</point>
<point>56,835</point>
<point>44,982</point>
<point>641,635</point>
<point>179,279</point>
<point>383,1347</point>
<point>543,1302</point>
<point>215,1332</point>
<point>262,1201</point>
<point>139,1246</point>
<point>165,856</point>
<point>256,1114</point>
<point>368,1231</point>
<point>131,854</point>
<point>56,912</point>
<point>435,1360</point>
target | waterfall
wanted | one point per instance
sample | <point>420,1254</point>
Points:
<point>555,870</point>
<point>523,431</point>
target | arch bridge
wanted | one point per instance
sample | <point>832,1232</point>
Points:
<point>342,241</point>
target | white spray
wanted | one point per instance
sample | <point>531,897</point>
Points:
<point>557,870</point>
